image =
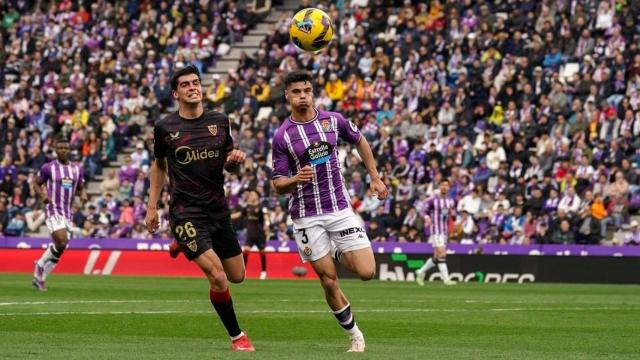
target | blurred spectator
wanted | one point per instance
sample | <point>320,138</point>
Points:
<point>140,158</point>
<point>632,237</point>
<point>110,183</point>
<point>128,171</point>
<point>563,235</point>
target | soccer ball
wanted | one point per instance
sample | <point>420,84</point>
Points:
<point>311,29</point>
<point>299,271</point>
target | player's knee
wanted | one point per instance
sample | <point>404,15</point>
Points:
<point>367,274</point>
<point>329,282</point>
<point>61,241</point>
<point>60,236</point>
<point>217,278</point>
<point>236,277</point>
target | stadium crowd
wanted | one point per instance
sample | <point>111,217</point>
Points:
<point>530,108</point>
<point>97,73</point>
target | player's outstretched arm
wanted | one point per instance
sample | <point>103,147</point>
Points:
<point>377,185</point>
<point>285,185</point>
<point>157,177</point>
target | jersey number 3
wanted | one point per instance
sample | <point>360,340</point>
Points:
<point>305,238</point>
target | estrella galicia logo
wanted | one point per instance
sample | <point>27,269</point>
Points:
<point>67,183</point>
<point>319,152</point>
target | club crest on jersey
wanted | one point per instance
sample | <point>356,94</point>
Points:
<point>192,245</point>
<point>174,136</point>
<point>213,129</point>
<point>307,251</point>
<point>326,125</point>
<point>319,152</point>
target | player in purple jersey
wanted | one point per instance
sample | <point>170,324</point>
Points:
<point>438,211</point>
<point>56,184</point>
<point>193,147</point>
<point>305,164</point>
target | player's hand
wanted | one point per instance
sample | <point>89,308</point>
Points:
<point>378,187</point>
<point>236,157</point>
<point>151,220</point>
<point>46,200</point>
<point>427,220</point>
<point>305,175</point>
<point>84,197</point>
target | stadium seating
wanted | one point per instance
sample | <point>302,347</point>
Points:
<point>512,108</point>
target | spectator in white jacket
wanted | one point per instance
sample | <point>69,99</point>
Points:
<point>470,203</point>
<point>495,156</point>
<point>570,202</point>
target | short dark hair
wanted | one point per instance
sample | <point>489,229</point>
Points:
<point>61,139</point>
<point>189,69</point>
<point>297,76</point>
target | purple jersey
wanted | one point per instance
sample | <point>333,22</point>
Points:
<point>61,182</point>
<point>314,143</point>
<point>439,209</point>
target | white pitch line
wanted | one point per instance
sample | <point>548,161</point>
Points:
<point>105,313</point>
<point>510,302</point>
<point>90,302</point>
<point>607,308</point>
<point>413,301</point>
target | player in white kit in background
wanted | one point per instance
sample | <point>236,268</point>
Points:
<point>305,164</point>
<point>56,184</point>
<point>438,210</point>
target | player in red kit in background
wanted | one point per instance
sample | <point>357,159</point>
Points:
<point>193,147</point>
<point>253,218</point>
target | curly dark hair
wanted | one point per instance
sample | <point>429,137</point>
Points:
<point>297,76</point>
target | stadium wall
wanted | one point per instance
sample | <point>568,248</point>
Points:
<point>513,269</point>
<point>378,247</point>
<point>141,263</point>
<point>396,261</point>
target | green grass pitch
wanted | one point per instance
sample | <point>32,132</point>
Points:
<point>85,317</point>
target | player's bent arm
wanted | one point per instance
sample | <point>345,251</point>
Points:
<point>367,158</point>
<point>236,215</point>
<point>82,192</point>
<point>40,190</point>
<point>157,177</point>
<point>285,185</point>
